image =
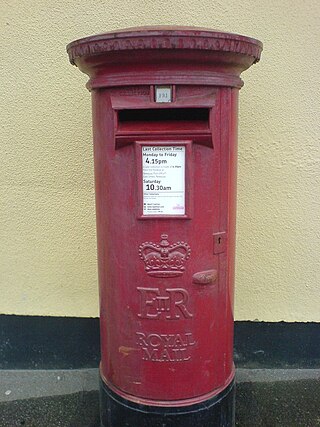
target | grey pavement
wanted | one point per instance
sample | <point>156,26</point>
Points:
<point>70,398</point>
<point>26,384</point>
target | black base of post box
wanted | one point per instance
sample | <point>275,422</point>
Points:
<point>219,411</point>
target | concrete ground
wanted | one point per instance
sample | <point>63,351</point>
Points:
<point>69,398</point>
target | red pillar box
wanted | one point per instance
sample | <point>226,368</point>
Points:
<point>165,134</point>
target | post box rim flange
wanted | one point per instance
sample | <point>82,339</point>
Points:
<point>165,38</point>
<point>164,55</point>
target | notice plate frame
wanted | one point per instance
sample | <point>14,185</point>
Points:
<point>188,189</point>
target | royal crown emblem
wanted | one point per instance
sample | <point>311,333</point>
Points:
<point>163,259</point>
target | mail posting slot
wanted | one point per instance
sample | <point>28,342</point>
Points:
<point>165,105</point>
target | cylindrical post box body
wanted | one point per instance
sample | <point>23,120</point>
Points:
<point>165,137</point>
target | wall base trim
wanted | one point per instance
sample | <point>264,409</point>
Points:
<point>40,342</point>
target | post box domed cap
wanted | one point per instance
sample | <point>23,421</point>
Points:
<point>164,37</point>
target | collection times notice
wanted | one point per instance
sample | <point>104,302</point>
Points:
<point>163,180</point>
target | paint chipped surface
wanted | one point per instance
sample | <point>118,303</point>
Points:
<point>126,350</point>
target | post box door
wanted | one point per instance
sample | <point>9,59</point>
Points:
<point>166,309</point>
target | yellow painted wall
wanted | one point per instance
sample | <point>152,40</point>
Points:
<point>47,222</point>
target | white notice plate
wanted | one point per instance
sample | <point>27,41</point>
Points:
<point>163,179</point>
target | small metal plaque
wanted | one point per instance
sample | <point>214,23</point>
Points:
<point>163,94</point>
<point>219,242</point>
